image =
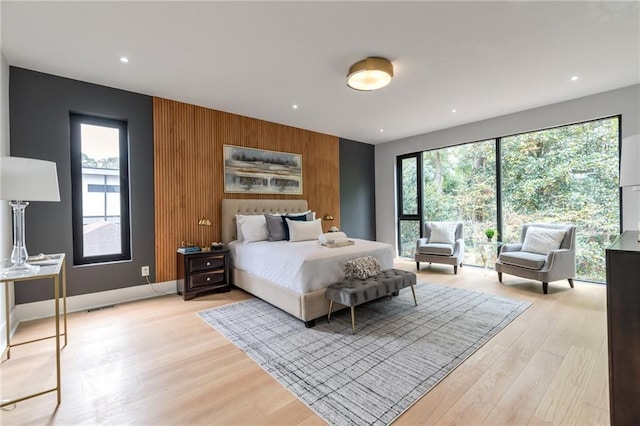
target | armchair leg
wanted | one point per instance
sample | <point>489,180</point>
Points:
<point>418,266</point>
<point>545,288</point>
<point>499,276</point>
<point>455,269</point>
<point>570,282</point>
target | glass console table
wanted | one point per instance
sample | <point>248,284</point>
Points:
<point>52,266</point>
<point>489,252</point>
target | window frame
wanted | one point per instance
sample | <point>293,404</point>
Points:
<point>401,216</point>
<point>75,121</point>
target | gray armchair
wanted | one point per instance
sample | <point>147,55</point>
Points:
<point>448,250</point>
<point>556,264</point>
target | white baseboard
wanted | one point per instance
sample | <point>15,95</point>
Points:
<point>83,302</point>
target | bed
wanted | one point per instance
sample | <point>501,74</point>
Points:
<point>301,293</point>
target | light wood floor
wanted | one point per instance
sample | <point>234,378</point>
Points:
<point>156,362</point>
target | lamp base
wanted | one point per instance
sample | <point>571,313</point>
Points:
<point>17,270</point>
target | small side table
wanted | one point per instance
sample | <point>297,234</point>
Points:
<point>203,271</point>
<point>52,267</point>
<point>489,251</point>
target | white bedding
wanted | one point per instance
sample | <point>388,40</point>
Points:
<point>304,266</point>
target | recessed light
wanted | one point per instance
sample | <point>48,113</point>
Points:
<point>381,130</point>
<point>124,59</point>
<point>574,78</point>
<point>454,110</point>
<point>294,106</point>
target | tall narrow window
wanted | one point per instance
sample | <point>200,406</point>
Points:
<point>100,185</point>
<point>410,203</point>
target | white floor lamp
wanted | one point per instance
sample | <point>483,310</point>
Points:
<point>23,180</point>
<point>630,165</point>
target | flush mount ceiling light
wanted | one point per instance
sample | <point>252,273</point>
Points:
<point>370,74</point>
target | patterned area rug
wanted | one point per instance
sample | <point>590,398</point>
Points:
<point>397,354</point>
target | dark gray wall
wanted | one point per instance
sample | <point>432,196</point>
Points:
<point>357,189</point>
<point>39,106</point>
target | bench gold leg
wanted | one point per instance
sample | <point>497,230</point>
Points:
<point>330,307</point>
<point>353,319</point>
<point>414,295</point>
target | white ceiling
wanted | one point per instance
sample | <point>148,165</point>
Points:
<point>257,59</point>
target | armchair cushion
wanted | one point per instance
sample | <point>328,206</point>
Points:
<point>542,240</point>
<point>438,249</point>
<point>443,232</point>
<point>523,259</point>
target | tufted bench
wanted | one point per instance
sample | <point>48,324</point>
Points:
<point>355,291</point>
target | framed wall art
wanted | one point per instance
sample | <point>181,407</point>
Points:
<point>257,171</point>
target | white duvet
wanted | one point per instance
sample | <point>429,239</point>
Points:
<point>304,266</point>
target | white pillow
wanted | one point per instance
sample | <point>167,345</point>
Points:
<point>443,232</point>
<point>304,230</point>
<point>542,240</point>
<point>239,227</point>
<point>251,227</point>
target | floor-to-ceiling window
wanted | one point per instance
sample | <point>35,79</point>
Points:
<point>460,185</point>
<point>567,174</point>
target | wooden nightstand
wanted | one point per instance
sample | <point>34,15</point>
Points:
<point>203,271</point>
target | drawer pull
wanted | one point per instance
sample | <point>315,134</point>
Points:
<point>208,278</point>
<point>208,263</point>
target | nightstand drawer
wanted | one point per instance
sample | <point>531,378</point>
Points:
<point>207,263</point>
<point>207,279</point>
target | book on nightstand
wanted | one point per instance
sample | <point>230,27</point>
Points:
<point>185,250</point>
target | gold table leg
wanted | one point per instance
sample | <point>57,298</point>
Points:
<point>414,295</point>
<point>64,298</point>
<point>330,307</point>
<point>56,293</point>
<point>7,324</point>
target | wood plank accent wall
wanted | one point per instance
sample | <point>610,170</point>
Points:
<point>189,171</point>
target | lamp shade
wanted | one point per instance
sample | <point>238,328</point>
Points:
<point>630,161</point>
<point>28,179</point>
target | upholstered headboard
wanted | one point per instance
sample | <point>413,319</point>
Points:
<point>232,207</point>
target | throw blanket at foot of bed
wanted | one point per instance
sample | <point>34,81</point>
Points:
<point>356,291</point>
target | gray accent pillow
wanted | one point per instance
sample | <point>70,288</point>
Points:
<point>275,228</point>
<point>362,267</point>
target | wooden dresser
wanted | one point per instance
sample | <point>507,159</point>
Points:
<point>623,327</point>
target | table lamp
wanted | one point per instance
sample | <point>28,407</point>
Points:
<point>630,165</point>
<point>23,180</point>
